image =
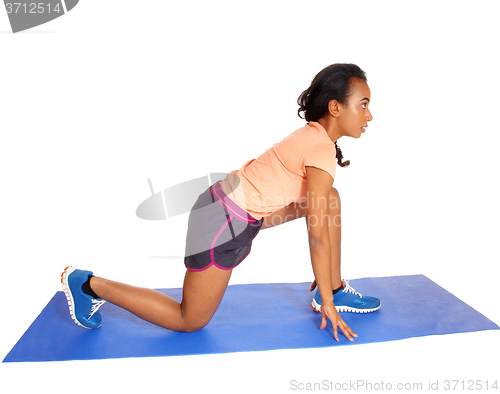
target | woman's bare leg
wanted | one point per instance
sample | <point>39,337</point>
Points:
<point>201,296</point>
<point>295,211</point>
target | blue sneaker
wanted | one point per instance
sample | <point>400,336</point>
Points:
<point>83,307</point>
<point>349,300</point>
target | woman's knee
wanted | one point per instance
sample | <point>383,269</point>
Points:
<point>193,326</point>
<point>286,214</point>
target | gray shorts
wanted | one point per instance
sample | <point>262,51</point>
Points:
<point>219,232</point>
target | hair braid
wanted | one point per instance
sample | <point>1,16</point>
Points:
<point>340,157</point>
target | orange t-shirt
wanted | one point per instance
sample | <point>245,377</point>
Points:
<point>278,176</point>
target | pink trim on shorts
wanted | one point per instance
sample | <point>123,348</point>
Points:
<point>230,206</point>
<point>212,257</point>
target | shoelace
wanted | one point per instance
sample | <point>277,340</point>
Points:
<point>349,289</point>
<point>96,304</point>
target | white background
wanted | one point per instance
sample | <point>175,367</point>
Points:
<point>97,101</point>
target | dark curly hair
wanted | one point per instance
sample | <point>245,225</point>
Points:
<point>331,83</point>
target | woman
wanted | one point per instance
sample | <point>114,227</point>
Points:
<point>292,179</point>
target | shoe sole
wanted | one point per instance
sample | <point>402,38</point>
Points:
<point>64,282</point>
<point>317,308</point>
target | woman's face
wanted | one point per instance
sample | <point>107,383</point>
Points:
<point>354,117</point>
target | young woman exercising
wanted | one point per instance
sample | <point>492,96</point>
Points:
<point>293,179</point>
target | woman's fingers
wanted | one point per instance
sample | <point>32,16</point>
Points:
<point>337,322</point>
<point>347,330</point>
<point>335,333</point>
<point>323,321</point>
<point>313,285</point>
<point>330,312</point>
<point>352,332</point>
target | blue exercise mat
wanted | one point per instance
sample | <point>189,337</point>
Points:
<point>250,318</point>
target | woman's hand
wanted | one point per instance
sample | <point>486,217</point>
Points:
<point>328,310</point>
<point>332,313</point>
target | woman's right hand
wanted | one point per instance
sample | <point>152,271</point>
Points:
<point>328,311</point>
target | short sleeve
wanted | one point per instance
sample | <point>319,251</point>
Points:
<point>321,155</point>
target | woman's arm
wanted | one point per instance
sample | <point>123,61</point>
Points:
<point>319,184</point>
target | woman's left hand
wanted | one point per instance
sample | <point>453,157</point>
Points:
<point>329,311</point>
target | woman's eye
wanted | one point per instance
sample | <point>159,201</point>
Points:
<point>364,105</point>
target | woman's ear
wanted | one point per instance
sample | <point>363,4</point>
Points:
<point>333,108</point>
